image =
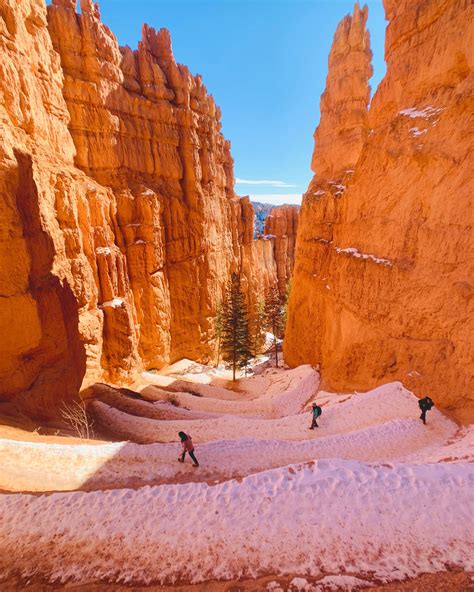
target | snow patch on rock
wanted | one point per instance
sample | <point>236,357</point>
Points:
<point>367,256</point>
<point>114,303</point>
<point>424,113</point>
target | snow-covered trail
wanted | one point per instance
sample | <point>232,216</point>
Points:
<point>388,402</point>
<point>57,467</point>
<point>371,427</point>
<point>371,494</point>
<point>331,516</point>
<point>276,394</point>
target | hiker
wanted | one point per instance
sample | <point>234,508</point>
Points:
<point>316,413</point>
<point>187,444</point>
<point>425,405</point>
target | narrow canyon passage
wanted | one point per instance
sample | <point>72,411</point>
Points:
<point>147,308</point>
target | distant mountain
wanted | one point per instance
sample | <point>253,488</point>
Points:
<point>262,210</point>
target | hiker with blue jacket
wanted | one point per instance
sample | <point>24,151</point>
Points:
<point>425,405</point>
<point>316,413</point>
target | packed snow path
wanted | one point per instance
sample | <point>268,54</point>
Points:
<point>381,425</point>
<point>375,506</point>
<point>391,522</point>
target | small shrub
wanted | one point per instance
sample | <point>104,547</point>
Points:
<point>75,415</point>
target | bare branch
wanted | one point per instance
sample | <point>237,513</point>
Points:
<point>75,415</point>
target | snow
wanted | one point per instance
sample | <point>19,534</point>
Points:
<point>379,426</point>
<point>201,374</point>
<point>274,587</point>
<point>139,242</point>
<point>319,192</point>
<point>372,493</point>
<point>340,583</point>
<point>300,584</point>
<point>276,400</point>
<point>185,367</point>
<point>343,515</point>
<point>114,303</point>
<point>356,253</point>
<point>415,131</point>
<point>425,113</point>
<point>337,185</point>
<point>103,250</point>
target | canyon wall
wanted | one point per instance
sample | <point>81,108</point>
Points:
<point>383,280</point>
<point>281,226</point>
<point>119,223</point>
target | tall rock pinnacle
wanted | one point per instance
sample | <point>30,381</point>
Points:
<point>343,126</point>
<point>383,281</point>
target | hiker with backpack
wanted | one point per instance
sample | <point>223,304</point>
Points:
<point>317,411</point>
<point>187,444</point>
<point>425,405</point>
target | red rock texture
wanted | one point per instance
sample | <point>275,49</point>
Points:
<point>282,224</point>
<point>342,131</point>
<point>383,280</point>
<point>119,224</point>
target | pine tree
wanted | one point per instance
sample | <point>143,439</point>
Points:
<point>218,326</point>
<point>286,299</point>
<point>274,316</point>
<point>235,343</point>
<point>258,326</point>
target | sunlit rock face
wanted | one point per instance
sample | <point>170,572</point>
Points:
<point>119,222</point>
<point>383,278</point>
<point>281,226</point>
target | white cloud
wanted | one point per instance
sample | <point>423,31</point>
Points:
<point>277,199</point>
<point>263,182</point>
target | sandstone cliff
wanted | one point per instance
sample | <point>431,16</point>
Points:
<point>282,224</point>
<point>119,223</point>
<point>383,279</point>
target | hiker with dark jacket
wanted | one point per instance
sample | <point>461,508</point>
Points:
<point>187,444</point>
<point>425,405</point>
<point>316,413</point>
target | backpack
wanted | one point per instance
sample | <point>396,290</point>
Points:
<point>425,404</point>
<point>319,411</point>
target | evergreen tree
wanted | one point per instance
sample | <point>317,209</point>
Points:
<point>218,326</point>
<point>274,316</point>
<point>286,298</point>
<point>235,342</point>
<point>258,326</point>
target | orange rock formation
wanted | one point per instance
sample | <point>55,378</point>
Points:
<point>383,279</point>
<point>281,224</point>
<point>119,223</point>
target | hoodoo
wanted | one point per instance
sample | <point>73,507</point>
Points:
<point>383,279</point>
<point>281,225</point>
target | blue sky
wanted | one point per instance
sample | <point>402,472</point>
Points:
<point>265,63</point>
